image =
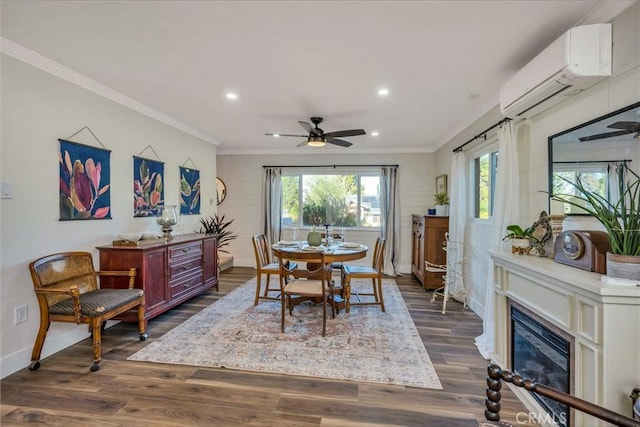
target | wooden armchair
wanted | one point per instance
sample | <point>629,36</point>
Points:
<point>495,376</point>
<point>66,286</point>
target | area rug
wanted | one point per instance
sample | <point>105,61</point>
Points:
<point>365,345</point>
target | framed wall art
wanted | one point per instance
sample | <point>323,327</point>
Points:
<point>85,181</point>
<point>441,184</point>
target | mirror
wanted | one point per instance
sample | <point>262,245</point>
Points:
<point>593,150</point>
<point>221,190</point>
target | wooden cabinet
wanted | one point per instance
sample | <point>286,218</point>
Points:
<point>427,240</point>
<point>169,272</point>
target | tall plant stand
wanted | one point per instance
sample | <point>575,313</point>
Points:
<point>443,291</point>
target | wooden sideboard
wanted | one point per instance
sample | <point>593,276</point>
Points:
<point>428,237</point>
<point>170,272</point>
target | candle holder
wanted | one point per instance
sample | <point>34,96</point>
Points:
<point>167,218</point>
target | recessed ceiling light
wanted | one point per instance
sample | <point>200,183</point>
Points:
<point>374,133</point>
<point>231,95</point>
<point>383,92</point>
<point>276,135</point>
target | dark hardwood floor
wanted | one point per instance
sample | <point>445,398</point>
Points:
<point>122,393</point>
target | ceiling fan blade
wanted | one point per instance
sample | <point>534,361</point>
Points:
<point>285,134</point>
<point>339,142</point>
<point>630,126</point>
<point>309,128</point>
<point>303,143</point>
<point>604,135</point>
<point>341,133</point>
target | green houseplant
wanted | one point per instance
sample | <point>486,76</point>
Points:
<point>218,225</point>
<point>620,218</point>
<point>521,238</point>
<point>442,201</point>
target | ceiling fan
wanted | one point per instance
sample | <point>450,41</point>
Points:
<point>627,127</point>
<point>318,138</point>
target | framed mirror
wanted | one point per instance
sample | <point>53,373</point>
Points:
<point>594,150</point>
<point>221,190</point>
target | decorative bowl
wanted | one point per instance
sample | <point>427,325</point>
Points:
<point>131,237</point>
<point>150,235</point>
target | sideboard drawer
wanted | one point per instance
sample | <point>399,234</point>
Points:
<point>185,267</point>
<point>186,284</point>
<point>177,252</point>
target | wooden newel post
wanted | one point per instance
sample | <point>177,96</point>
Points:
<point>494,384</point>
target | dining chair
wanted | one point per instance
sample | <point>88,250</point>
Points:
<point>67,289</point>
<point>264,265</point>
<point>364,272</point>
<point>306,284</point>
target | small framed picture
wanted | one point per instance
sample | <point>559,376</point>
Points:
<point>441,184</point>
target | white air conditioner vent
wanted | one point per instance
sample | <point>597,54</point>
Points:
<point>577,60</point>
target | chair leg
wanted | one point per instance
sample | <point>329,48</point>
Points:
<point>282,301</point>
<point>324,315</point>
<point>142,322</point>
<point>257,289</point>
<point>266,285</point>
<point>375,290</point>
<point>96,324</point>
<point>37,347</point>
<point>346,289</point>
<point>380,293</point>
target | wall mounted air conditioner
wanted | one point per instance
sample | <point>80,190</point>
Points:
<point>577,60</point>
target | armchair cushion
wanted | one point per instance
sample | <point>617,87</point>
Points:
<point>96,303</point>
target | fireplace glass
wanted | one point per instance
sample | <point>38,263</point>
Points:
<point>539,354</point>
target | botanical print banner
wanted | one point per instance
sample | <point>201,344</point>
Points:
<point>148,188</point>
<point>189,191</point>
<point>84,181</point>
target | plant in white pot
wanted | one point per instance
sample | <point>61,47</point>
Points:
<point>442,203</point>
<point>521,238</point>
<point>620,218</point>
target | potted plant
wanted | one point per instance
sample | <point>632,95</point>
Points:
<point>442,203</point>
<point>521,238</point>
<point>621,219</point>
<point>218,225</point>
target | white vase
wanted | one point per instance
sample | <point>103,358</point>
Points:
<point>442,210</point>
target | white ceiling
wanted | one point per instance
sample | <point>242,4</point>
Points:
<point>442,61</point>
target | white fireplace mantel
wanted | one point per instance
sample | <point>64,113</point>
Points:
<point>603,320</point>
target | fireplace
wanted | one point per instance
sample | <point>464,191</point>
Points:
<point>543,354</point>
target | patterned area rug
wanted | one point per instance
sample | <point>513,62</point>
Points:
<point>365,345</point>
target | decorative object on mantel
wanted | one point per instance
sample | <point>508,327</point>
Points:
<point>585,249</point>
<point>442,203</point>
<point>542,243</point>
<point>520,238</point>
<point>189,189</point>
<point>85,176</point>
<point>167,218</point>
<point>621,219</point>
<point>148,184</point>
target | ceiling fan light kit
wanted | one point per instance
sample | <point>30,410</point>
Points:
<point>318,138</point>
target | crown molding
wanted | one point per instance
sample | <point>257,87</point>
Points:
<point>34,59</point>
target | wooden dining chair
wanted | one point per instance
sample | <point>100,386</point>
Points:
<point>67,289</point>
<point>374,273</point>
<point>264,265</point>
<point>306,284</point>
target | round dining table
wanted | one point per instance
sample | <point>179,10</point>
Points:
<point>332,254</point>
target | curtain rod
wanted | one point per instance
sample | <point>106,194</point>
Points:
<point>328,166</point>
<point>482,134</point>
<point>594,161</point>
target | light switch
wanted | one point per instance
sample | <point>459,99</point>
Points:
<point>7,190</point>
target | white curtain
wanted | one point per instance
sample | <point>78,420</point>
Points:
<point>457,224</point>
<point>505,211</point>
<point>390,217</point>
<point>271,202</point>
<point>616,177</point>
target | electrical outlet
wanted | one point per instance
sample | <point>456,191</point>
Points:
<point>22,314</point>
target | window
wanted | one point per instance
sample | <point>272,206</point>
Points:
<point>594,176</point>
<point>486,167</point>
<point>350,199</point>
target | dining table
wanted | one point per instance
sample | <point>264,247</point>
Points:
<point>334,253</point>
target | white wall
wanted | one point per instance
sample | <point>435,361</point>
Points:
<point>37,109</point>
<point>615,92</point>
<point>242,175</point>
